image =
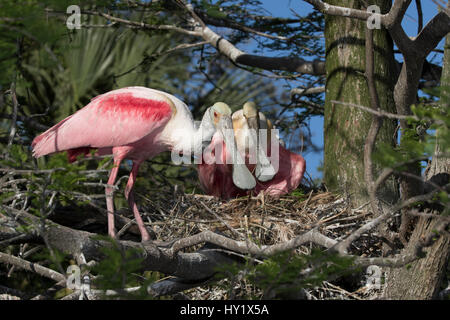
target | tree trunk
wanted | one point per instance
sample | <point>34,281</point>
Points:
<point>422,279</point>
<point>345,127</point>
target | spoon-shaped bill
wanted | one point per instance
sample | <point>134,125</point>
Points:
<point>242,177</point>
<point>264,171</point>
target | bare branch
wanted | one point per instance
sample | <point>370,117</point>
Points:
<point>419,15</point>
<point>240,235</point>
<point>237,56</point>
<point>307,91</point>
<point>33,267</point>
<point>292,64</point>
<point>227,23</point>
<point>432,34</point>
<point>388,171</point>
<point>247,247</point>
<point>381,113</point>
<point>343,246</point>
<point>135,24</point>
<point>27,120</point>
<point>12,133</point>
<point>333,10</point>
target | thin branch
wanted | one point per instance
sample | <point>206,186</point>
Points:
<point>10,291</point>
<point>105,26</point>
<point>292,64</point>
<point>382,113</point>
<point>332,10</point>
<point>12,133</point>
<point>46,171</point>
<point>416,213</point>
<point>32,37</point>
<point>135,24</point>
<point>431,34</point>
<point>247,247</point>
<point>27,120</point>
<point>419,15</point>
<point>33,267</point>
<point>223,22</point>
<point>307,91</point>
<point>343,246</point>
<point>21,237</point>
<point>386,173</point>
<point>237,233</point>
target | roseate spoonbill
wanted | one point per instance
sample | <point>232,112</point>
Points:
<point>216,178</point>
<point>138,123</point>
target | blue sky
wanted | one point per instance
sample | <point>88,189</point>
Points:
<point>283,8</point>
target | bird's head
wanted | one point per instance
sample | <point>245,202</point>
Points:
<point>220,111</point>
<point>218,118</point>
<point>250,110</point>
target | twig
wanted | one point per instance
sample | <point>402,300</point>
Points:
<point>343,246</point>
<point>388,171</point>
<point>30,266</point>
<point>12,133</point>
<point>388,115</point>
<point>307,91</point>
<point>125,227</point>
<point>419,15</point>
<point>237,233</point>
<point>141,24</point>
<point>246,247</point>
<point>23,236</point>
<point>416,213</point>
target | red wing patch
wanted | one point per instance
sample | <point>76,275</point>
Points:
<point>112,119</point>
<point>128,105</point>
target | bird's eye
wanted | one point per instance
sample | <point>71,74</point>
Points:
<point>215,114</point>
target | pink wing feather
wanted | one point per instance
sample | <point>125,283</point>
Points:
<point>117,118</point>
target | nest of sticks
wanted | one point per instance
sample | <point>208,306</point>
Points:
<point>267,221</point>
<point>172,214</point>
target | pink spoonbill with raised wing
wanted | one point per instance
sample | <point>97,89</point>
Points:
<point>137,123</point>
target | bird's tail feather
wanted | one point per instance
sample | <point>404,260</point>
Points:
<point>45,143</point>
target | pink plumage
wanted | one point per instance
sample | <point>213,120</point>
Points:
<point>117,119</point>
<point>130,123</point>
<point>216,180</point>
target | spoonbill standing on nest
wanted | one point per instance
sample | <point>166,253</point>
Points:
<point>216,178</point>
<point>138,123</point>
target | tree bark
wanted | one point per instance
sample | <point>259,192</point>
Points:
<point>423,278</point>
<point>345,128</point>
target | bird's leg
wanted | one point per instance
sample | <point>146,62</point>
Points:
<point>109,191</point>
<point>130,197</point>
